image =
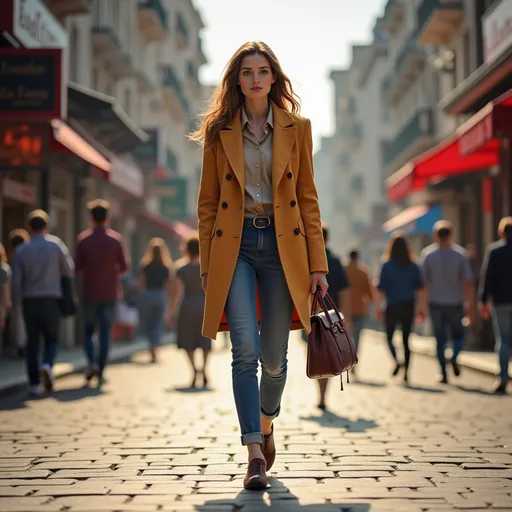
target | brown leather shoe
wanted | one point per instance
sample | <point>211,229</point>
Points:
<point>256,477</point>
<point>269,449</point>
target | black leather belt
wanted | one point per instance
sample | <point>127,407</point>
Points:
<point>262,222</point>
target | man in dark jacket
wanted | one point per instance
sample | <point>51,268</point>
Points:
<point>496,284</point>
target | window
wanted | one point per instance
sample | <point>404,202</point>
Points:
<point>128,101</point>
<point>74,58</point>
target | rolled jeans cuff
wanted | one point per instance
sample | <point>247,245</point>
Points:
<point>271,416</point>
<point>255,437</point>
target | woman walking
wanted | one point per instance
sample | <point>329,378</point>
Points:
<point>260,234</point>
<point>191,309</point>
<point>401,284</point>
<point>157,282</point>
<point>5,291</point>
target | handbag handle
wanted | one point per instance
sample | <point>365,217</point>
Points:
<point>318,298</point>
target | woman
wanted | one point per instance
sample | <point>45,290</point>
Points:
<point>17,330</point>
<point>401,284</point>
<point>260,234</point>
<point>192,309</point>
<point>156,281</point>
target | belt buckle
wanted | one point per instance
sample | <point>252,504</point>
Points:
<point>254,219</point>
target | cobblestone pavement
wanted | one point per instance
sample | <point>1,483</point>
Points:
<point>145,442</point>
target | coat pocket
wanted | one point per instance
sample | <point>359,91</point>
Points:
<point>212,234</point>
<point>300,224</point>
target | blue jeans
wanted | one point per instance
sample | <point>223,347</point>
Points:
<point>444,318</point>
<point>101,315</point>
<point>42,320</point>
<point>358,322</point>
<point>152,309</point>
<point>258,268</point>
<point>502,323</point>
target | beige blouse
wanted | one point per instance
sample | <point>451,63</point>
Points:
<point>258,168</point>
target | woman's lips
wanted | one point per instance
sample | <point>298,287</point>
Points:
<point>256,88</point>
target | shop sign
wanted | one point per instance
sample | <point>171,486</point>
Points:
<point>477,136</point>
<point>149,154</point>
<point>32,84</point>
<point>173,198</point>
<point>32,24</point>
<point>23,192</point>
<point>23,145</point>
<point>497,30</point>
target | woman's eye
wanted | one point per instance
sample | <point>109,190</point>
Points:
<point>247,73</point>
<point>264,72</point>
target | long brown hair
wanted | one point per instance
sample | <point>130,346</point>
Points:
<point>3,256</point>
<point>229,97</point>
<point>157,250</point>
<point>398,249</point>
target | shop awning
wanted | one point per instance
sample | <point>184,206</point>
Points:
<point>492,77</point>
<point>474,146</point>
<point>418,219</point>
<point>75,142</point>
<point>102,116</point>
<point>175,228</point>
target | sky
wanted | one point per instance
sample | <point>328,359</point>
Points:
<point>309,37</point>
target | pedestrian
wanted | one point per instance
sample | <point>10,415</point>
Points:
<point>5,291</point>
<point>339,291</point>
<point>100,258</point>
<point>17,329</point>
<point>401,284</point>
<point>496,284</point>
<point>39,266</point>
<point>158,285</point>
<point>361,295</point>
<point>191,310</point>
<point>450,293</point>
<point>260,233</point>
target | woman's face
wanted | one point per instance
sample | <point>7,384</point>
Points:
<point>255,77</point>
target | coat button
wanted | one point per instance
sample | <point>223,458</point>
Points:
<point>296,231</point>
<point>293,203</point>
<point>224,205</point>
<point>228,176</point>
<point>289,175</point>
<point>219,232</point>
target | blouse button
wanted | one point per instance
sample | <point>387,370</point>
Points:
<point>293,203</point>
<point>224,205</point>
<point>228,176</point>
<point>289,175</point>
<point>219,232</point>
<point>296,231</point>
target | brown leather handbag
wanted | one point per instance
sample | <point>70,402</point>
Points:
<point>330,349</point>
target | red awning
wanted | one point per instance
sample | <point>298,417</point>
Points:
<point>65,135</point>
<point>175,228</point>
<point>474,146</point>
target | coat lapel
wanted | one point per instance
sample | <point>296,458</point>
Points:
<point>284,137</point>
<point>232,142</point>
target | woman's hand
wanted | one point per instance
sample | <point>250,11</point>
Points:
<point>319,279</point>
<point>204,282</point>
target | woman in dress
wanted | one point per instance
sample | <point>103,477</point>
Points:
<point>260,235</point>
<point>401,284</point>
<point>157,283</point>
<point>191,309</point>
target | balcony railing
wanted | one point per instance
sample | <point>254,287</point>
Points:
<point>182,31</point>
<point>159,9</point>
<point>421,125</point>
<point>411,48</point>
<point>171,81</point>
<point>438,20</point>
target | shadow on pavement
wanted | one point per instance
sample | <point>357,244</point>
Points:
<point>279,498</point>
<point>423,389</point>
<point>74,394</point>
<point>190,390</point>
<point>479,391</point>
<point>330,419</point>
<point>367,383</point>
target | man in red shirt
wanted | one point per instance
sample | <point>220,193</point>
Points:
<point>100,259</point>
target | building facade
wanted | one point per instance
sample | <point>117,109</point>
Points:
<point>113,89</point>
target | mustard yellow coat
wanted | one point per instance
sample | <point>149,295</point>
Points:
<point>221,213</point>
